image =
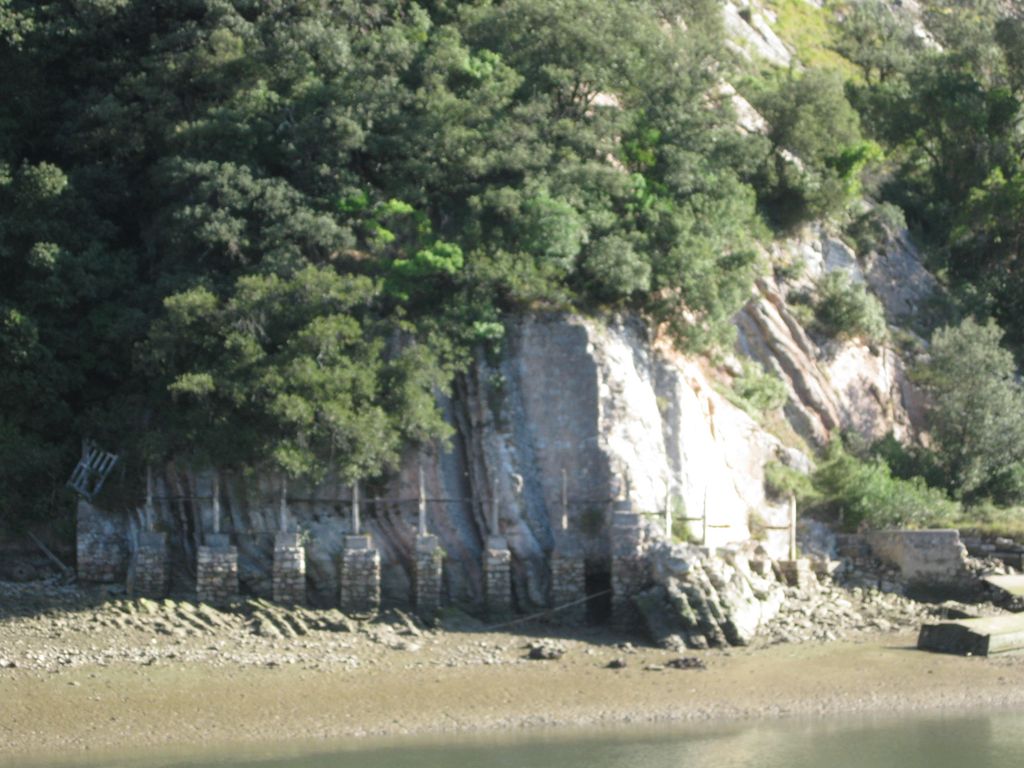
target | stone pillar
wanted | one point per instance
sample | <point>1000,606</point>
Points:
<point>497,577</point>
<point>359,576</point>
<point>629,567</point>
<point>217,571</point>
<point>289,569</point>
<point>568,580</point>
<point>427,578</point>
<point>151,569</point>
<point>102,548</point>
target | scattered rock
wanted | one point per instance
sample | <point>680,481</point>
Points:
<point>686,662</point>
<point>619,663</point>
<point>545,651</point>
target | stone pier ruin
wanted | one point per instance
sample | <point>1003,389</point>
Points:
<point>629,567</point>
<point>150,572</point>
<point>568,581</point>
<point>217,571</point>
<point>102,554</point>
<point>427,576</point>
<point>289,574</point>
<point>359,576</point>
<point>497,563</point>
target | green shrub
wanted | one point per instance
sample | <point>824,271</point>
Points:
<point>862,492</point>
<point>876,226</point>
<point>781,482</point>
<point>845,310</point>
<point>909,461</point>
<point>757,525</point>
<point>758,390</point>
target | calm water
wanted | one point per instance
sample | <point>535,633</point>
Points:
<point>974,741</point>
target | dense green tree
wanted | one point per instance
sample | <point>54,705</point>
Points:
<point>977,413</point>
<point>819,154</point>
<point>878,38</point>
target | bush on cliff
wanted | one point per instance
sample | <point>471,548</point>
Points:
<point>859,492</point>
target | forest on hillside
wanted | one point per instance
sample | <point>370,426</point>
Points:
<point>267,233</point>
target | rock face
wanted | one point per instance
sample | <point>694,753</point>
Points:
<point>751,36</point>
<point>699,600</point>
<point>851,385</point>
<point>596,400</point>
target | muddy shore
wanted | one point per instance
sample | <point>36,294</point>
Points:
<point>80,676</point>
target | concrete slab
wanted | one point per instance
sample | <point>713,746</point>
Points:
<point>974,637</point>
<point>1012,585</point>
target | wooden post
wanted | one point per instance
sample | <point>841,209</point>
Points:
<point>422,507</point>
<point>565,500</point>
<point>150,512</point>
<point>793,526</point>
<point>668,512</point>
<point>216,501</point>
<point>356,522</point>
<point>704,521</point>
<point>282,515</point>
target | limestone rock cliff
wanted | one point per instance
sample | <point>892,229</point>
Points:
<point>851,386</point>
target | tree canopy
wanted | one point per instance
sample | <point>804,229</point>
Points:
<point>261,232</point>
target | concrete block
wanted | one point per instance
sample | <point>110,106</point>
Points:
<point>974,637</point>
<point>929,557</point>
